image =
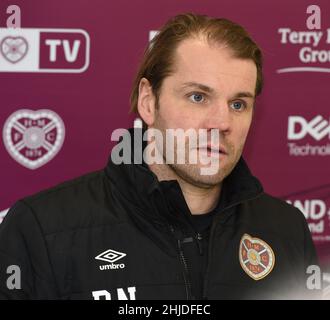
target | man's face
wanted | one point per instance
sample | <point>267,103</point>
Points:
<point>209,89</point>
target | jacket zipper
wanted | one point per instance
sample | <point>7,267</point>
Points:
<point>183,260</point>
<point>182,257</point>
<point>199,239</point>
<point>186,272</point>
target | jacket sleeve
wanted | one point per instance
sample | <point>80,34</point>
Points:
<point>25,271</point>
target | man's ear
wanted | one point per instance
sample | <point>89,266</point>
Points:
<point>146,102</point>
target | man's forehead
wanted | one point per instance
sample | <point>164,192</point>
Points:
<point>195,59</point>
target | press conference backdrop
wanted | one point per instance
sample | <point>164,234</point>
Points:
<point>66,74</point>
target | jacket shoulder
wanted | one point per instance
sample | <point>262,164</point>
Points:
<point>65,189</point>
<point>277,216</point>
<point>280,207</point>
<point>74,204</point>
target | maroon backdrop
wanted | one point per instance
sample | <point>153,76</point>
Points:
<point>65,81</point>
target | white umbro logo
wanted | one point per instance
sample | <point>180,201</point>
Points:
<point>111,256</point>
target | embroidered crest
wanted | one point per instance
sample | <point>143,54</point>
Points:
<point>256,257</point>
<point>33,138</point>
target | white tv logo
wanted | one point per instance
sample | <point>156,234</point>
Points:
<point>44,50</point>
<point>318,128</point>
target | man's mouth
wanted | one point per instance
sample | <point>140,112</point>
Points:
<point>211,150</point>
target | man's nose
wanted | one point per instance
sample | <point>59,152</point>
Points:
<point>219,117</point>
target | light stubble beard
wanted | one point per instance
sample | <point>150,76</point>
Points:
<point>191,172</point>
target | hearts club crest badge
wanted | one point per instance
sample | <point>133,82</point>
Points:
<point>256,257</point>
<point>33,138</point>
<point>14,49</point>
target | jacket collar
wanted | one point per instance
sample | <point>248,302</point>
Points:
<point>140,186</point>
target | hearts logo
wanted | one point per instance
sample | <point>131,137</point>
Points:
<point>256,257</point>
<point>14,49</point>
<point>33,138</point>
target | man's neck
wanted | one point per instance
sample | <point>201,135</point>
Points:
<point>199,200</point>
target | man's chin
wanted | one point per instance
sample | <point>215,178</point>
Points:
<point>193,174</point>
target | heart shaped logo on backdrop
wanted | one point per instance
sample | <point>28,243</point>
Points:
<point>256,257</point>
<point>14,49</point>
<point>33,138</point>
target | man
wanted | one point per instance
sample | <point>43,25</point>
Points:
<point>164,230</point>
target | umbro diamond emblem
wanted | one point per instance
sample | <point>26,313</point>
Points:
<point>111,256</point>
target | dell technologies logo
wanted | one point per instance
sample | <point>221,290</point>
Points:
<point>299,127</point>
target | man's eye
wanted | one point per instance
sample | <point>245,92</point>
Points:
<point>197,97</point>
<point>238,105</point>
